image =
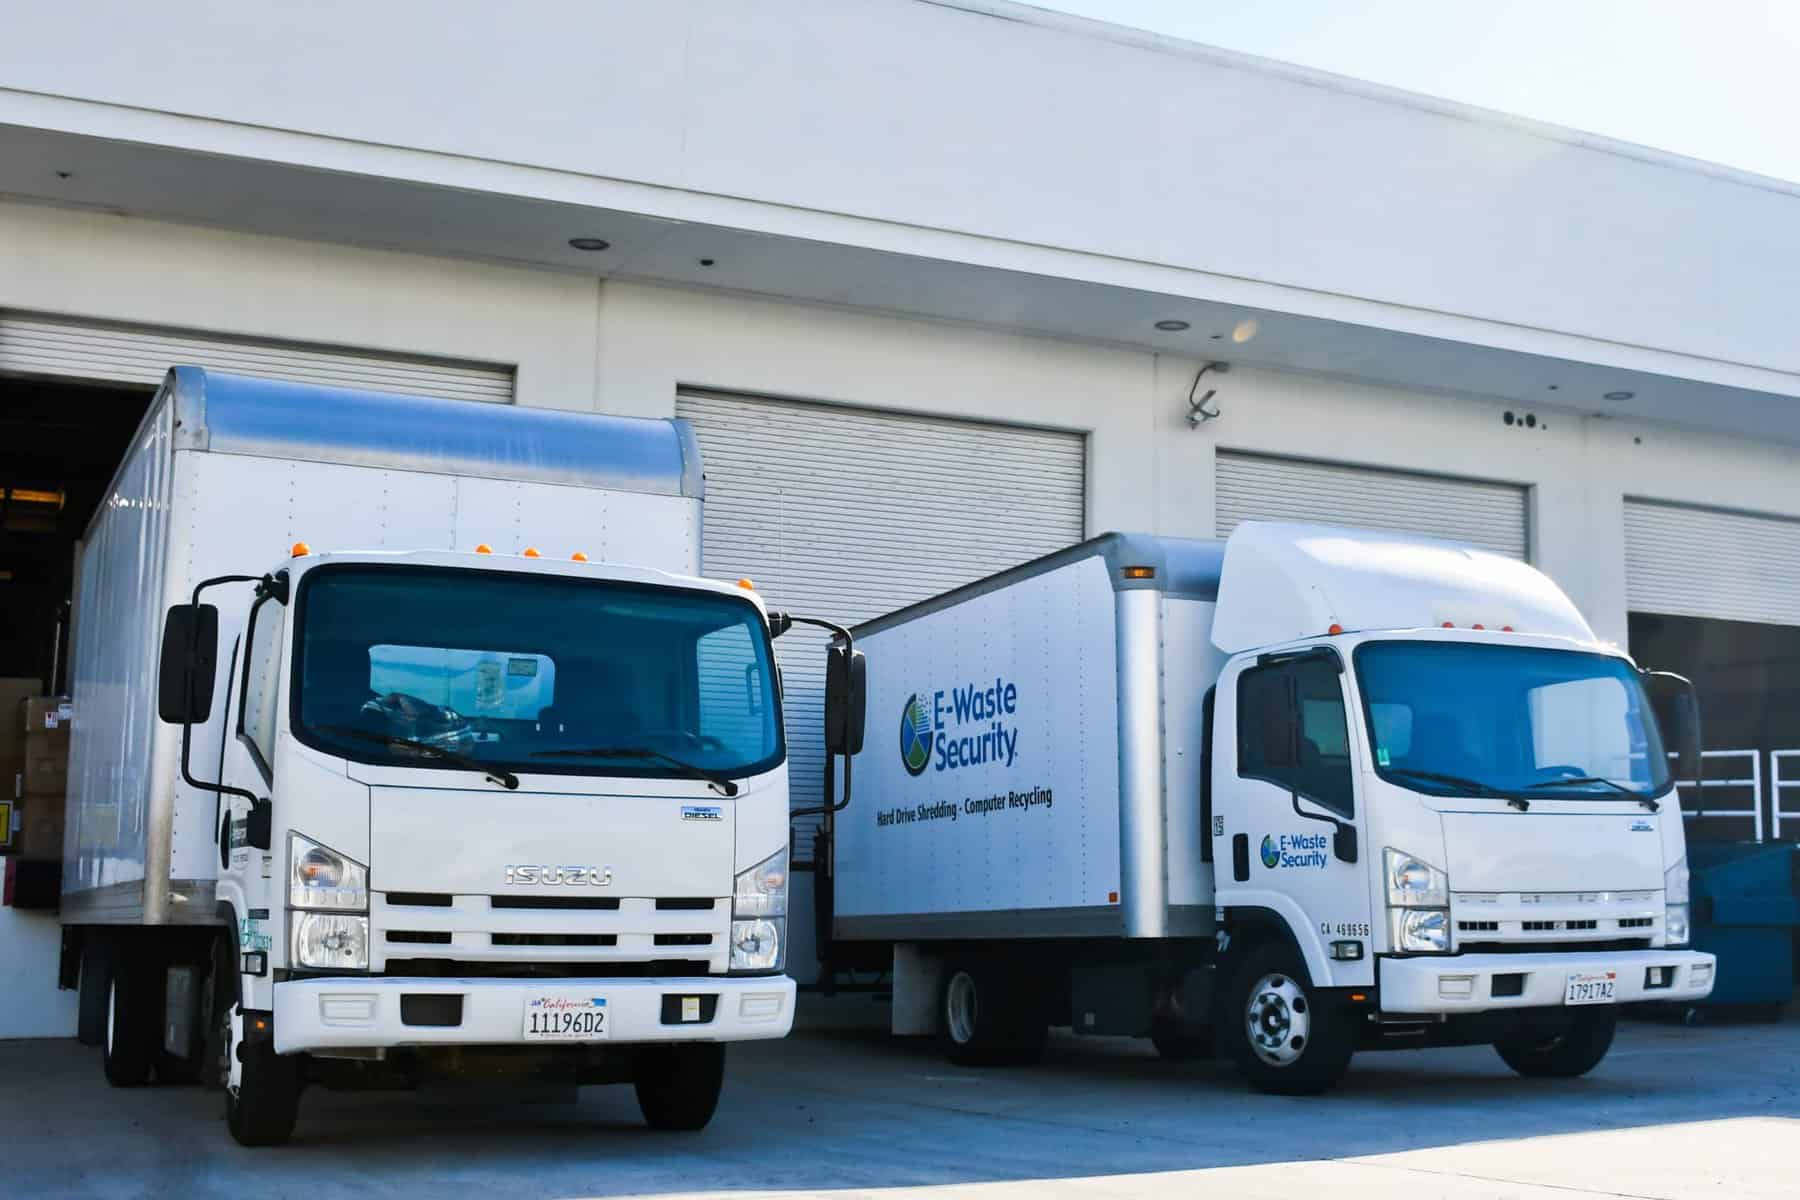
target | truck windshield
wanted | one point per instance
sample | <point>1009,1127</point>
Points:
<point>536,673</point>
<point>1449,718</point>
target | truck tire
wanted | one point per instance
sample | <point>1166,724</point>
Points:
<point>263,1102</point>
<point>128,1049</point>
<point>1564,1055</point>
<point>678,1086</point>
<point>988,1017</point>
<point>1285,1037</point>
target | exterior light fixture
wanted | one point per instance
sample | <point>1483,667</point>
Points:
<point>1172,326</point>
<point>590,243</point>
<point>1620,395</point>
<point>1244,330</point>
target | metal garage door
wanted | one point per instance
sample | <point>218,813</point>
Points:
<point>848,514</point>
<point>31,344</point>
<point>1698,562</point>
<point>1474,511</point>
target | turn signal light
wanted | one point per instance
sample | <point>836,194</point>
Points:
<point>484,548</point>
<point>1138,572</point>
<point>300,550</point>
<point>529,552</point>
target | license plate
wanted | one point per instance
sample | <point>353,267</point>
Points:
<point>1592,987</point>
<point>566,1017</point>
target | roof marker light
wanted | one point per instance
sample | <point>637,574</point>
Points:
<point>529,552</point>
<point>578,556</point>
<point>747,585</point>
<point>1478,625</point>
<point>1506,629</point>
<point>1335,629</point>
<point>1448,625</point>
<point>484,548</point>
<point>300,550</point>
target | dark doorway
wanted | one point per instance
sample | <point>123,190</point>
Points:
<point>1748,677</point>
<point>59,445</point>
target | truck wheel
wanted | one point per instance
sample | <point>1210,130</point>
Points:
<point>678,1086</point>
<point>986,1018</point>
<point>262,1088</point>
<point>1573,1051</point>
<point>128,1050</point>
<point>1283,1036</point>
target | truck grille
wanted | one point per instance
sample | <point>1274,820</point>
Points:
<point>548,936</point>
<point>1555,921</point>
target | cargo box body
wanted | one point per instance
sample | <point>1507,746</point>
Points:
<point>1034,754</point>
<point>226,472</point>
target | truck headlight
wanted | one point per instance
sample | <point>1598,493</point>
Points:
<point>1420,930</point>
<point>756,944</point>
<point>330,942</point>
<point>1414,883</point>
<point>1675,925</point>
<point>1675,884</point>
<point>322,878</point>
<point>762,890</point>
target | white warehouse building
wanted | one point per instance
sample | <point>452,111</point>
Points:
<point>942,285</point>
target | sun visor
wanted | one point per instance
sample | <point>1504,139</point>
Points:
<point>1282,582</point>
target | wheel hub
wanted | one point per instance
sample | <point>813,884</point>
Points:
<point>1278,1019</point>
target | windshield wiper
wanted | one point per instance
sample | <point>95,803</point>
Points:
<point>499,775</point>
<point>1462,782</point>
<point>1576,781</point>
<point>724,785</point>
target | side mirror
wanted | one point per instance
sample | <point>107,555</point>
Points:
<point>190,654</point>
<point>1343,843</point>
<point>1277,718</point>
<point>1677,709</point>
<point>846,696</point>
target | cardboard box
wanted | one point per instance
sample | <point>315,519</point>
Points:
<point>40,834</point>
<point>48,714</point>
<point>46,767</point>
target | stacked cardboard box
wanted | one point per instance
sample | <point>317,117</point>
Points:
<point>13,693</point>
<point>42,778</point>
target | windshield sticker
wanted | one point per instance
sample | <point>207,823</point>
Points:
<point>1381,756</point>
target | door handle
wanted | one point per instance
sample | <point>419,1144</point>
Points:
<point>1240,857</point>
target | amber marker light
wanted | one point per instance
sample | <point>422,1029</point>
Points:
<point>483,548</point>
<point>529,552</point>
<point>747,585</point>
<point>578,556</point>
<point>300,550</point>
<point>1137,572</point>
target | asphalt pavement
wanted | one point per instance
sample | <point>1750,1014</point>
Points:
<point>848,1112</point>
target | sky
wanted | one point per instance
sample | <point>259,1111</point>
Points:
<point>1712,79</point>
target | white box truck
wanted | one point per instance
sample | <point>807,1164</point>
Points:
<point>459,769</point>
<point>1292,795</point>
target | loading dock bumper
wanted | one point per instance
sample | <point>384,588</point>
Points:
<point>380,1011</point>
<point>1484,982</point>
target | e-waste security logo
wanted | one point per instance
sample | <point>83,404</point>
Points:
<point>1271,853</point>
<point>915,736</point>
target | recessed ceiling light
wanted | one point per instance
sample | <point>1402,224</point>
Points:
<point>586,243</point>
<point>1172,326</point>
<point>1620,395</point>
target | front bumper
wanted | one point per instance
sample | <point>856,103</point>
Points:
<point>356,1012</point>
<point>1466,982</point>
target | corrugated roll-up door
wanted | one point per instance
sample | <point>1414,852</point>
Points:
<point>32,344</point>
<point>1477,512</point>
<point>1698,562</point>
<point>848,514</point>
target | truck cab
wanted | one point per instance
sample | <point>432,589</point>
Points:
<point>1448,815</point>
<point>470,802</point>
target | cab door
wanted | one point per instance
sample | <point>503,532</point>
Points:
<point>1286,832</point>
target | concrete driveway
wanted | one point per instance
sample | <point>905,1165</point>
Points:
<point>1712,1112</point>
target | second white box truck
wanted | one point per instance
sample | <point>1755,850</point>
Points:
<point>460,769</point>
<point>1300,793</point>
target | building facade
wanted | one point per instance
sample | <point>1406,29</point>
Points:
<point>942,286</point>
